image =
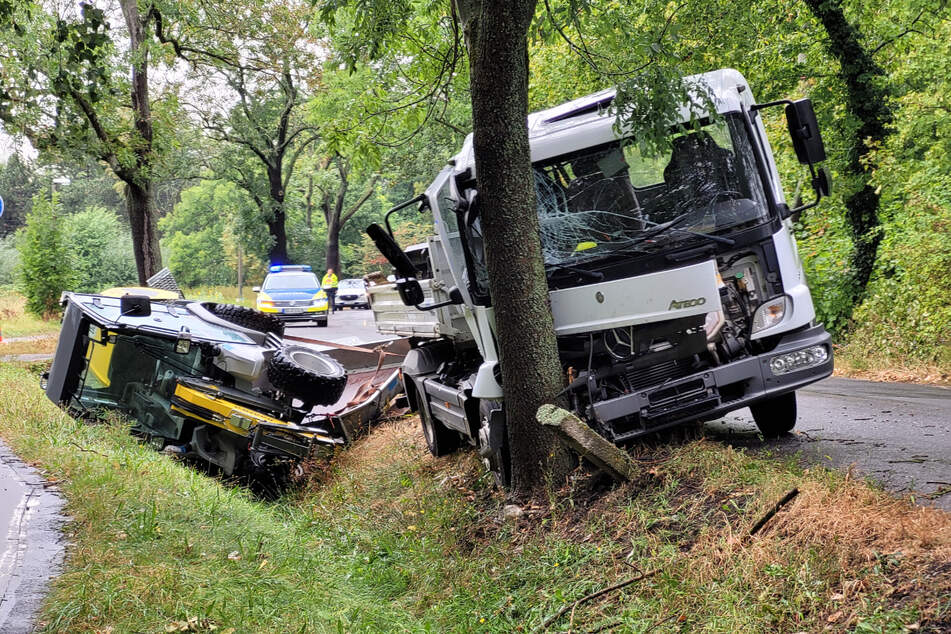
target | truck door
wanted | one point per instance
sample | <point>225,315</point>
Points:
<point>442,201</point>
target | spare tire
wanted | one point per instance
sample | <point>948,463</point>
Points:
<point>305,374</point>
<point>246,317</point>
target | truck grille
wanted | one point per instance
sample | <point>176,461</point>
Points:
<point>656,374</point>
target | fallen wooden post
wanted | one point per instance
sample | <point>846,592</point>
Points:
<point>769,514</point>
<point>590,445</point>
<point>593,595</point>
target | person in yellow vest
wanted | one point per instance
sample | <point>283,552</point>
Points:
<point>329,284</point>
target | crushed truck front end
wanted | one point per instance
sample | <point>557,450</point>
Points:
<point>675,283</point>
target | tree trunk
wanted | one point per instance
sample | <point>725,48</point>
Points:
<point>145,244</point>
<point>333,244</point>
<point>148,256</point>
<point>866,100</point>
<point>531,371</point>
<point>309,202</point>
<point>275,220</point>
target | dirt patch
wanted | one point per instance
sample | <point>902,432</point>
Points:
<point>32,345</point>
<point>929,375</point>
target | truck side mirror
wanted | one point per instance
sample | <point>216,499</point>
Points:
<point>391,251</point>
<point>804,131</point>
<point>135,305</point>
<point>411,293</point>
<point>455,298</point>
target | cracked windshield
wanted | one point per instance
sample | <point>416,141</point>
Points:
<point>614,200</point>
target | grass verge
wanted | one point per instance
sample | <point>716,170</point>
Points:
<point>386,538</point>
<point>16,322</point>
<point>222,295</point>
<point>38,345</point>
<point>858,364</point>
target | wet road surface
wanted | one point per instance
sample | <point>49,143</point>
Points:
<point>31,544</point>
<point>348,326</point>
<point>897,434</point>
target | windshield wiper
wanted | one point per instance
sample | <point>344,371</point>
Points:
<point>672,225</point>
<point>591,275</point>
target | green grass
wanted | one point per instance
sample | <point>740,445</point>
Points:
<point>387,538</point>
<point>221,294</point>
<point>16,322</point>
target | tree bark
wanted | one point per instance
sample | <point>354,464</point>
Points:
<point>145,244</point>
<point>866,100</point>
<point>333,245</point>
<point>148,258</point>
<point>496,33</point>
<point>334,213</point>
<point>277,254</point>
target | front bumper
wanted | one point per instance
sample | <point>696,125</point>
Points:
<point>711,393</point>
<point>307,315</point>
<point>348,300</point>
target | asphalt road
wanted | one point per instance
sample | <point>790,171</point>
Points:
<point>896,434</point>
<point>31,545</point>
<point>347,326</point>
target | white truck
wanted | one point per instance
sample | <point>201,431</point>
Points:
<point>676,287</point>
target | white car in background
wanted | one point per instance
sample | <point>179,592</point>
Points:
<point>353,293</point>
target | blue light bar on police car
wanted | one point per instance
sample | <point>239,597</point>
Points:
<point>277,268</point>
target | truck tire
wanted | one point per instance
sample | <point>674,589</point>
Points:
<point>498,461</point>
<point>775,416</point>
<point>310,376</point>
<point>441,440</point>
<point>246,317</point>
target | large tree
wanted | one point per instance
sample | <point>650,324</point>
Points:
<point>867,100</point>
<point>75,85</point>
<point>336,206</point>
<point>496,35</point>
<point>267,68</point>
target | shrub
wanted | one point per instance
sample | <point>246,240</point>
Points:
<point>9,261</point>
<point>46,265</point>
<point>101,250</point>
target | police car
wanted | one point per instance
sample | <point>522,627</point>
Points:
<point>291,292</point>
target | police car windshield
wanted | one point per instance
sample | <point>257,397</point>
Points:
<point>292,281</point>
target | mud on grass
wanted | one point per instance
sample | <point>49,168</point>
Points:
<point>387,538</point>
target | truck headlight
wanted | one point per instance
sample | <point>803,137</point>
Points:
<point>799,360</point>
<point>770,313</point>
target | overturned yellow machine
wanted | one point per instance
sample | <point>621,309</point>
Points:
<point>213,380</point>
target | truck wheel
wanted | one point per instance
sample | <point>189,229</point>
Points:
<point>775,416</point>
<point>310,376</point>
<point>246,317</point>
<point>498,461</point>
<point>441,440</point>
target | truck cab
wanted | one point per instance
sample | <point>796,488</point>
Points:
<point>675,284</point>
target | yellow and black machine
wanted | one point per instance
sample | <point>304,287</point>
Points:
<point>213,380</point>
